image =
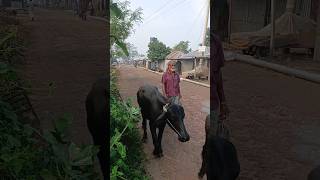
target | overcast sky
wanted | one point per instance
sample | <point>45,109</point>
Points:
<point>171,21</point>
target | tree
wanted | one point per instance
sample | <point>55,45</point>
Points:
<point>182,46</point>
<point>157,50</point>
<point>133,52</point>
<point>122,20</point>
<point>117,52</point>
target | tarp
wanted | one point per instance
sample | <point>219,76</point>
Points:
<point>290,30</point>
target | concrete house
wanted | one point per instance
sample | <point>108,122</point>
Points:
<point>191,62</point>
<point>174,56</point>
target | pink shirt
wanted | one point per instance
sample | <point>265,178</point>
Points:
<point>171,84</point>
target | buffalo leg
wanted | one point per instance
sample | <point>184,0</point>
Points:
<point>161,129</point>
<point>203,168</point>
<point>154,139</point>
<point>144,127</point>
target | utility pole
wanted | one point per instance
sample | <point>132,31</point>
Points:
<point>205,31</point>
<point>272,28</point>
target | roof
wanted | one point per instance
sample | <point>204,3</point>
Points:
<point>174,55</point>
<point>197,54</point>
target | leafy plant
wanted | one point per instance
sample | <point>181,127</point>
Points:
<point>25,153</point>
<point>125,138</point>
<point>182,46</point>
<point>22,156</point>
<point>122,20</point>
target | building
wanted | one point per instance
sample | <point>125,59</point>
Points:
<point>187,63</point>
<point>191,63</point>
<point>174,56</point>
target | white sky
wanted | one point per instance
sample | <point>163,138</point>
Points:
<point>174,21</point>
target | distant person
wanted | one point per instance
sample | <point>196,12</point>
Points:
<point>171,84</point>
<point>217,99</point>
<point>31,15</point>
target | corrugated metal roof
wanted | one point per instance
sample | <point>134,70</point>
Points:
<point>197,54</point>
<point>175,55</point>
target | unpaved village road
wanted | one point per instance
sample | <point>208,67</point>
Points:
<point>274,124</point>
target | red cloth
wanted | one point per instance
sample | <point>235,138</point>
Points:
<point>171,84</point>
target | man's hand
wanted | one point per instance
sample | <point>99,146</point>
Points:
<point>224,111</point>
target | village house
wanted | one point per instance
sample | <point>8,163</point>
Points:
<point>188,63</point>
<point>191,63</point>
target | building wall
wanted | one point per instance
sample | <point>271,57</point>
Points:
<point>249,15</point>
<point>161,65</point>
<point>187,65</point>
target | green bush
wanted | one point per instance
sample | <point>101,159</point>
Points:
<point>50,156</point>
<point>126,152</point>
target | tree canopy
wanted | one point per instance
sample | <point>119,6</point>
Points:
<point>182,46</point>
<point>122,20</point>
<point>157,50</point>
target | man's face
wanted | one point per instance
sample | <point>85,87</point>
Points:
<point>172,67</point>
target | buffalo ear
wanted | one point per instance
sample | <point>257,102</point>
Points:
<point>161,119</point>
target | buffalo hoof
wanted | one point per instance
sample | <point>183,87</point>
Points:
<point>144,140</point>
<point>200,175</point>
<point>158,155</point>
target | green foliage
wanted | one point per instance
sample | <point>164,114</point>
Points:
<point>26,153</point>
<point>119,53</point>
<point>122,20</point>
<point>157,50</point>
<point>182,46</point>
<point>10,45</point>
<point>10,50</point>
<point>125,138</point>
<point>23,157</point>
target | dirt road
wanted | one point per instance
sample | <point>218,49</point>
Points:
<point>274,124</point>
<point>70,54</point>
<point>180,160</point>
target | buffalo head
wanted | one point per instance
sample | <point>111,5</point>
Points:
<point>173,115</point>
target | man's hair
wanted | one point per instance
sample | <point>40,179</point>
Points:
<point>171,63</point>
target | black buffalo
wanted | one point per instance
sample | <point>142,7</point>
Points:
<point>314,174</point>
<point>152,104</point>
<point>98,125</point>
<point>219,156</point>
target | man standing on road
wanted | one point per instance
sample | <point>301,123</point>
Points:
<point>217,99</point>
<point>170,84</point>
